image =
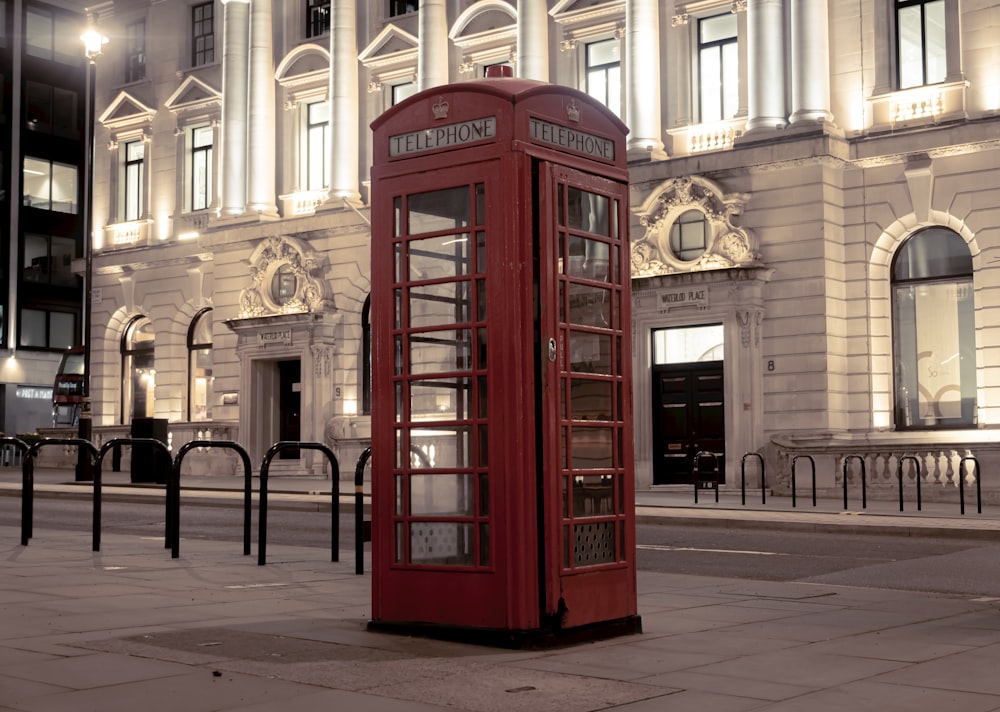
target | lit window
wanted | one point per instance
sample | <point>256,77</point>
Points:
<point>317,17</point>
<point>604,73</point>
<point>201,167</point>
<point>138,369</point>
<point>135,51</point>
<point>402,91</point>
<point>315,158</point>
<point>202,34</point>
<point>200,365</point>
<point>49,186</point>
<point>718,67</point>
<point>688,235</point>
<point>284,285</point>
<point>402,7</point>
<point>44,329</point>
<point>920,42</point>
<point>133,170</point>
<point>933,326</point>
<point>52,35</point>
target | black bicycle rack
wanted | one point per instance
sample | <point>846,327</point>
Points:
<point>335,496</point>
<point>743,478</point>
<point>864,480</point>
<point>812,464</point>
<point>174,493</point>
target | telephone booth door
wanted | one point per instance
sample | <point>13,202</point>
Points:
<point>585,400</point>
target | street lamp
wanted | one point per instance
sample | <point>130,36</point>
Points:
<point>93,44</point>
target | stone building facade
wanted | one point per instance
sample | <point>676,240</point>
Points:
<point>814,188</point>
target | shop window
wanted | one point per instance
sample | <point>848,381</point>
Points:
<point>718,67</point>
<point>199,344</point>
<point>920,42</point>
<point>202,34</point>
<point>138,369</point>
<point>48,185</point>
<point>933,327</point>
<point>45,329</point>
<point>317,17</point>
<point>135,51</point>
<point>603,73</point>
<point>200,167</point>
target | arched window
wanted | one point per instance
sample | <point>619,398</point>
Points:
<point>933,332</point>
<point>366,357</point>
<point>138,369</point>
<point>199,344</point>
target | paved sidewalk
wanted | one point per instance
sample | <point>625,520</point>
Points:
<point>130,628</point>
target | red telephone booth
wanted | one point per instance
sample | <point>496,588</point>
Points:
<point>502,480</point>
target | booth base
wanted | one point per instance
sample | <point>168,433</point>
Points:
<point>515,639</point>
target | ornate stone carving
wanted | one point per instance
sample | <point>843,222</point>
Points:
<point>312,294</point>
<point>726,244</point>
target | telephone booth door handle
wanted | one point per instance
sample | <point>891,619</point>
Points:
<point>552,350</point>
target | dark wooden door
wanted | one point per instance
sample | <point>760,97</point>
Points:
<point>688,418</point>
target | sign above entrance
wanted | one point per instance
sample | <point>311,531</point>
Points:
<point>279,336</point>
<point>683,298</point>
<point>443,136</point>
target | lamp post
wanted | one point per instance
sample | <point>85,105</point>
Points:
<point>93,43</point>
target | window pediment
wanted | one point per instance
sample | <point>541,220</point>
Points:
<point>725,245</point>
<point>307,63</point>
<point>192,95</point>
<point>391,46</point>
<point>126,111</point>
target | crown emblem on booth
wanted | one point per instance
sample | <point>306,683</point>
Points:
<point>440,108</point>
<point>573,111</point>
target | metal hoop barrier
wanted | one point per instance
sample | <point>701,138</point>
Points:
<point>174,505</point>
<point>743,479</point>
<point>162,451</point>
<point>961,483</point>
<point>359,511</point>
<point>812,464</point>
<point>28,485</point>
<point>335,496</point>
<point>715,472</point>
<point>899,477</point>
<point>864,481</point>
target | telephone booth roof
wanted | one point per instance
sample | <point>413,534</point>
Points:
<point>498,110</point>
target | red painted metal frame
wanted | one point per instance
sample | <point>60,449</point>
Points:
<point>522,586</point>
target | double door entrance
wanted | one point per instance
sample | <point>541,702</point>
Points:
<point>688,419</point>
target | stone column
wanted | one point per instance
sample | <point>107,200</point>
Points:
<point>432,52</point>
<point>642,92</point>
<point>533,40</point>
<point>236,40</point>
<point>261,158</point>
<point>765,49</point>
<point>344,103</point>
<point>810,61</point>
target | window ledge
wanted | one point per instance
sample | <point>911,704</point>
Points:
<point>919,106</point>
<point>125,235</point>
<point>702,138</point>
